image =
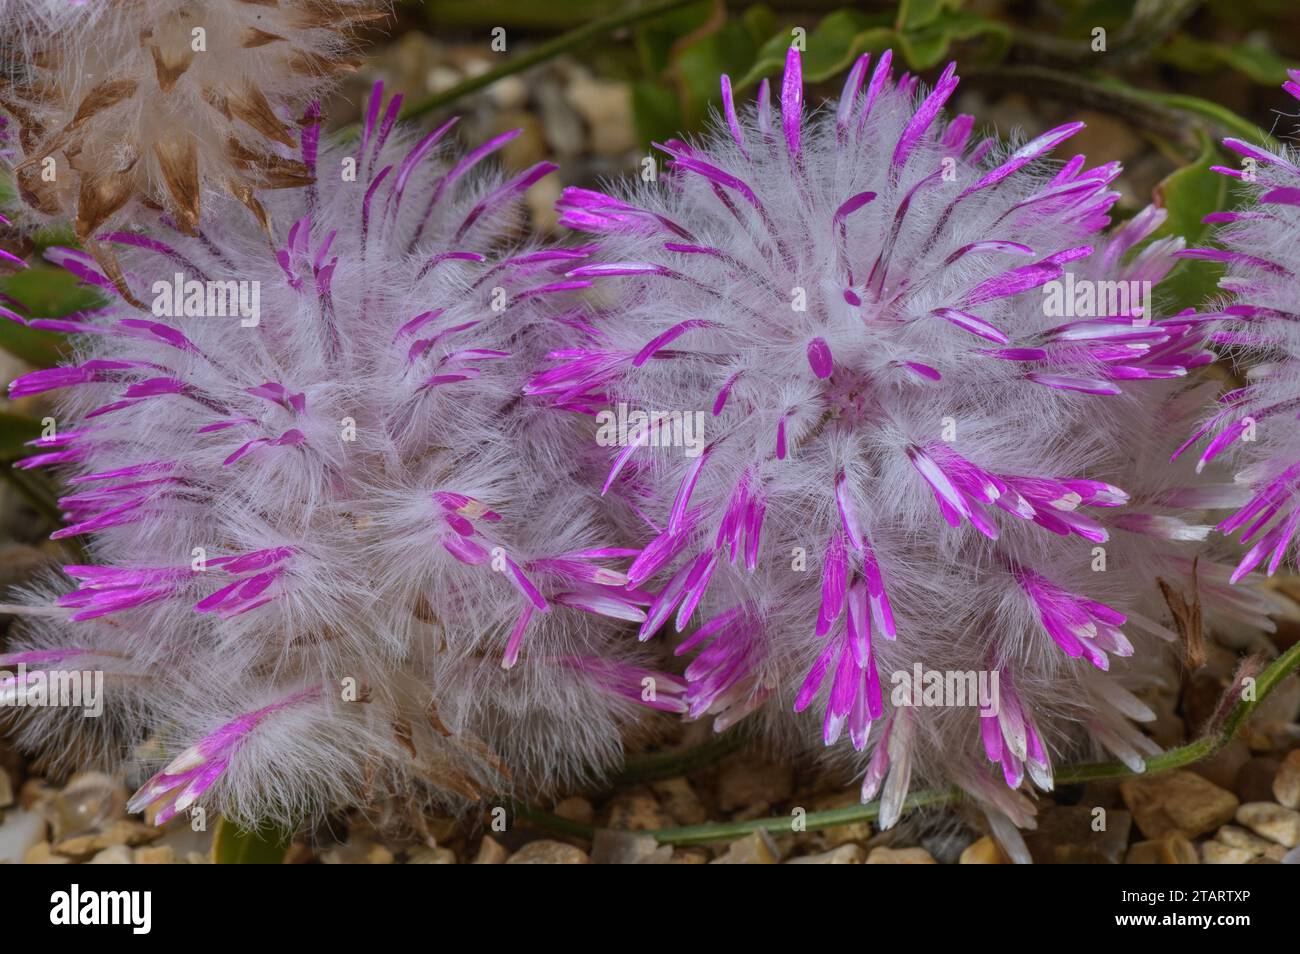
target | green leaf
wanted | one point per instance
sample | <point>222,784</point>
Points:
<point>926,46</point>
<point>264,846</point>
<point>914,14</point>
<point>588,32</point>
<point>49,292</point>
<point>1189,194</point>
<point>1220,119</point>
<point>922,34</point>
<point>1252,57</point>
<point>40,348</point>
<point>1219,116</point>
<point>729,50</point>
<point>656,39</point>
<point>830,48</point>
<point>15,431</point>
<point>760,21</point>
<point>1111,14</point>
<point>654,106</point>
<point>445,15</point>
<point>693,58</point>
<point>45,292</point>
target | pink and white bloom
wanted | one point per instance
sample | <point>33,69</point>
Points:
<point>345,489</point>
<point>911,455</point>
<point>1253,427</point>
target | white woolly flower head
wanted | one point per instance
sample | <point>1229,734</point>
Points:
<point>314,496</point>
<point>909,429</point>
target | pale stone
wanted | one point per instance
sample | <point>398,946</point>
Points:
<point>432,856</point>
<point>441,78</point>
<point>43,854</point>
<point>1217,853</point>
<point>843,855</point>
<point>1278,824</point>
<point>490,852</point>
<point>19,831</point>
<point>755,849</point>
<point>690,856</point>
<point>610,847</point>
<point>900,856</point>
<point>1236,837</point>
<point>509,92</point>
<point>88,804</point>
<point>1286,784</point>
<point>358,851</point>
<point>378,855</point>
<point>564,130</point>
<point>985,851</point>
<point>528,147</point>
<point>116,855</point>
<point>1173,849</point>
<point>120,832</point>
<point>155,855</point>
<point>540,200</point>
<point>1182,802</point>
<point>607,108</point>
<point>548,853</point>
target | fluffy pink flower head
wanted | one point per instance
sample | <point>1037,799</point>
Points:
<point>340,555</point>
<point>909,446</point>
<point>1254,426</point>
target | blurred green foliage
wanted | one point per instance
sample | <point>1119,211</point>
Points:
<point>15,431</point>
<point>44,292</point>
<point>1190,194</point>
<point>682,55</point>
<point>679,55</point>
<point>232,845</point>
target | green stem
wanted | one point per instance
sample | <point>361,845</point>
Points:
<point>554,823</point>
<point>1180,757</point>
<point>711,832</point>
<point>545,51</point>
<point>647,768</point>
<point>1151,23</point>
<point>1131,105</point>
